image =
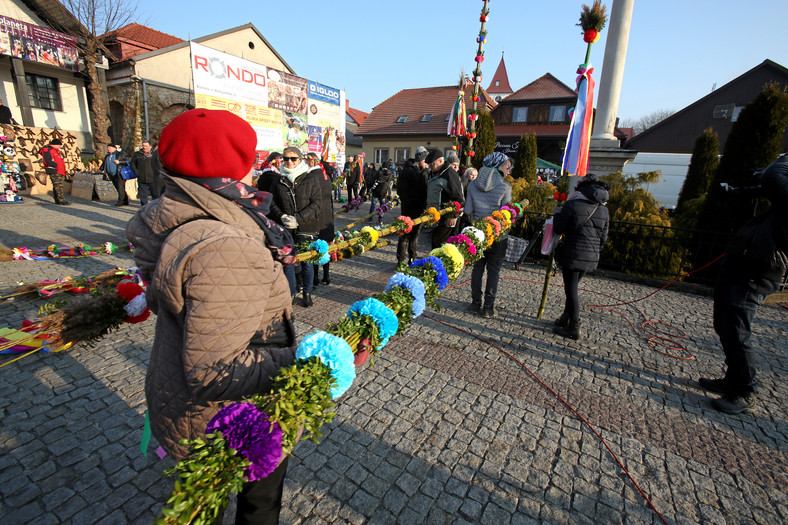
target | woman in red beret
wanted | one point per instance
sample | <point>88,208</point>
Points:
<point>214,266</point>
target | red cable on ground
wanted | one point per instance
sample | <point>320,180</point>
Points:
<point>566,404</point>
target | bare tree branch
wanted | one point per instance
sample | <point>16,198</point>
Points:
<point>643,123</point>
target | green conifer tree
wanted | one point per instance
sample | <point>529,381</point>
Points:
<point>703,166</point>
<point>485,138</point>
<point>525,159</point>
<point>754,142</point>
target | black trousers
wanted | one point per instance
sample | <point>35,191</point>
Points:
<point>260,502</point>
<point>408,244</point>
<point>571,282</point>
<point>441,232</point>
<point>492,260</point>
<point>120,185</point>
<point>735,305</point>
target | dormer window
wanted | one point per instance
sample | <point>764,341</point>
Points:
<point>402,119</point>
<point>427,117</point>
<point>497,83</point>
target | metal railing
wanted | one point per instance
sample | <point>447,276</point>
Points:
<point>645,250</point>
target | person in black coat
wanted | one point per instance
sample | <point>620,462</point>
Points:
<point>113,162</point>
<point>444,177</point>
<point>379,190</point>
<point>352,177</point>
<point>755,262</point>
<point>297,206</point>
<point>142,164</point>
<point>412,191</point>
<point>270,172</point>
<point>326,232</point>
<point>584,222</point>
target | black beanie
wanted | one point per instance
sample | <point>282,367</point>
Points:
<point>433,155</point>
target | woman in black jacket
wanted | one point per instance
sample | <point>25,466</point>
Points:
<point>297,206</point>
<point>583,221</point>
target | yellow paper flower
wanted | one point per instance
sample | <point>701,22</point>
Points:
<point>452,269</point>
<point>456,257</point>
<point>488,230</point>
<point>436,216</point>
<point>370,234</point>
<point>507,215</point>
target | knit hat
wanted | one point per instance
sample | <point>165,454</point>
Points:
<point>56,142</point>
<point>493,160</point>
<point>433,155</point>
<point>421,153</point>
<point>208,143</point>
<point>452,157</point>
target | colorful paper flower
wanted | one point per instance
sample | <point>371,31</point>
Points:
<point>475,234</point>
<point>384,317</point>
<point>321,247</point>
<point>436,216</point>
<point>370,236</point>
<point>449,253</point>
<point>335,353</point>
<point>495,224</point>
<point>249,431</point>
<point>403,224</point>
<point>414,286</point>
<point>441,277</point>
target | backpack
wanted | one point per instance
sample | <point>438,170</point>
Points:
<point>435,187</point>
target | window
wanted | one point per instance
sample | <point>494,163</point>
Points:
<point>520,114</point>
<point>381,155</point>
<point>497,83</point>
<point>557,113</point>
<point>401,154</point>
<point>427,117</point>
<point>402,119</point>
<point>43,92</point>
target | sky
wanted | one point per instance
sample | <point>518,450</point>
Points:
<point>679,50</point>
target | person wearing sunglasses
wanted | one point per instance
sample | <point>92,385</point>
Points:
<point>297,206</point>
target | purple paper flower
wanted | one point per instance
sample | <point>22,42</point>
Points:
<point>248,430</point>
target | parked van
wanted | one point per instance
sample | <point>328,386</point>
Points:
<point>674,168</point>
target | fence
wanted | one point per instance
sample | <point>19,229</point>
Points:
<point>651,251</point>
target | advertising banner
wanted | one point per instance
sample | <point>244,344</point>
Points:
<point>279,106</point>
<point>39,44</point>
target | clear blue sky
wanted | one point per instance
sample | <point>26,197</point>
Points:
<point>678,49</point>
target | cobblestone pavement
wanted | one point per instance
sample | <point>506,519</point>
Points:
<point>443,428</point>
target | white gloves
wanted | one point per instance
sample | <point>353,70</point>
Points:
<point>289,222</point>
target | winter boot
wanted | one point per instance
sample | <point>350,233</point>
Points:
<point>326,280</point>
<point>307,297</point>
<point>572,330</point>
<point>562,321</point>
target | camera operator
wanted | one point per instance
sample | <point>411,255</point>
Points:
<point>754,265</point>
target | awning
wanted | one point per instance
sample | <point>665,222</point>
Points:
<point>547,165</point>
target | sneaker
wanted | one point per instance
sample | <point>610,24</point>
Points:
<point>488,312</point>
<point>718,386</point>
<point>474,308</point>
<point>735,403</point>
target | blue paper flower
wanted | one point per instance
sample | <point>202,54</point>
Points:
<point>384,317</point>
<point>335,353</point>
<point>414,286</point>
<point>442,279</point>
<point>321,247</point>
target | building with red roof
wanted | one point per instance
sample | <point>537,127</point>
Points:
<point>135,39</point>
<point>412,118</point>
<point>499,87</point>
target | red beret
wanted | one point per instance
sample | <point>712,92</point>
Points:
<point>208,143</point>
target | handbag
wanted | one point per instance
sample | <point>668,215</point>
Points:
<point>126,173</point>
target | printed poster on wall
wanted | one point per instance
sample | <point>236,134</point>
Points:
<point>39,44</point>
<point>286,92</point>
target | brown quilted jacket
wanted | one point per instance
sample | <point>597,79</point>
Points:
<point>224,311</point>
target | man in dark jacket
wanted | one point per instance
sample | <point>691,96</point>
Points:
<point>441,175</point>
<point>55,167</point>
<point>754,265</point>
<point>142,165</point>
<point>297,206</point>
<point>584,222</point>
<point>352,177</point>
<point>412,191</point>
<point>114,160</point>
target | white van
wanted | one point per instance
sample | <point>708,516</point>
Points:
<point>674,168</point>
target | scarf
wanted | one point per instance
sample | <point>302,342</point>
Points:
<point>256,204</point>
<point>293,174</point>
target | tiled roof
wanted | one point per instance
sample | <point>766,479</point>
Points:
<point>144,35</point>
<point>415,103</point>
<point>357,115</point>
<point>503,79</point>
<point>545,87</point>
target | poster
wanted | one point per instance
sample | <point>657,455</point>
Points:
<point>39,44</point>
<point>274,103</point>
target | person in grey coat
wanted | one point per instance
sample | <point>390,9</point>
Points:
<point>584,222</point>
<point>487,193</point>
